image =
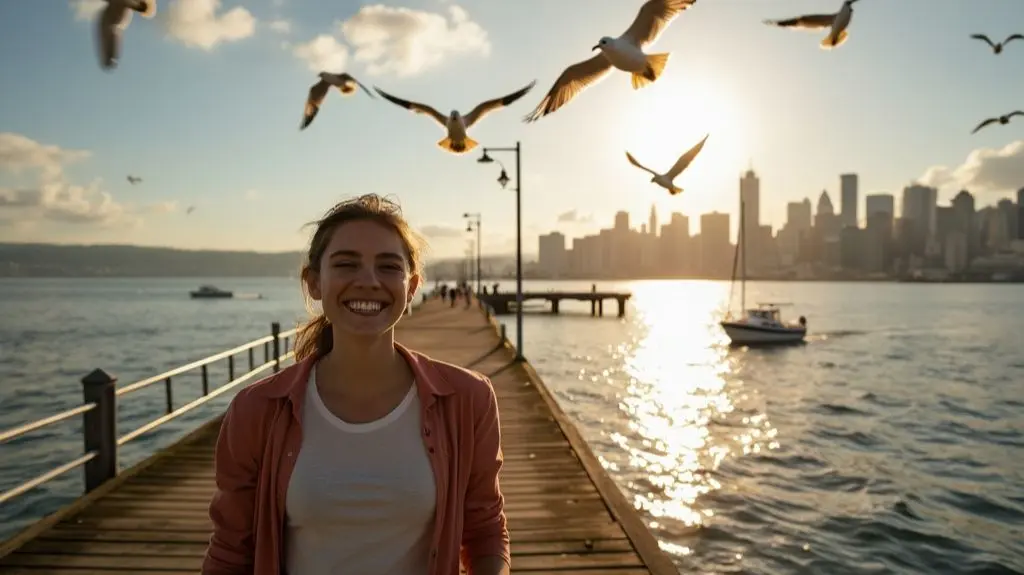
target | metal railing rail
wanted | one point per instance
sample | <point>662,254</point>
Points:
<point>99,410</point>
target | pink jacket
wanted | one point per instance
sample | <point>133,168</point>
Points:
<point>260,438</point>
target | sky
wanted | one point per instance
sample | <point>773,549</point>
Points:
<point>206,102</point>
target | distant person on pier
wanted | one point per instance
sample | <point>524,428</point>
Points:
<point>444,292</point>
<point>364,456</point>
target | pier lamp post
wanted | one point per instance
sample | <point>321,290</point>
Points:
<point>503,181</point>
<point>473,223</point>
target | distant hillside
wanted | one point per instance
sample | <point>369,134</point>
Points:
<point>52,260</point>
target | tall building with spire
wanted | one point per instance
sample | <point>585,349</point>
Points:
<point>652,222</point>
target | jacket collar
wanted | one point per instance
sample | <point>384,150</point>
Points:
<point>291,381</point>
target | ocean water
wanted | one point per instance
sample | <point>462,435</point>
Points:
<point>892,442</point>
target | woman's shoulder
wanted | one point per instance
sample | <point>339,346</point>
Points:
<point>454,378</point>
<point>259,395</point>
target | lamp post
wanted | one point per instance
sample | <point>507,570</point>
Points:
<point>503,181</point>
<point>473,223</point>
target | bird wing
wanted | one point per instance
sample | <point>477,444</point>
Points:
<point>983,124</point>
<point>350,80</point>
<point>686,158</point>
<point>1012,37</point>
<point>317,93</point>
<point>1017,113</point>
<point>633,161</point>
<point>984,39</point>
<point>484,108</point>
<point>652,19</point>
<point>573,80</point>
<point>146,8</point>
<point>414,107</point>
<point>807,21</point>
<point>109,25</point>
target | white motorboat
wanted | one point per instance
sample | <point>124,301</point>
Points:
<point>761,325</point>
<point>764,325</point>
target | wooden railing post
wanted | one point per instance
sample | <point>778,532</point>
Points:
<point>100,428</point>
<point>275,330</point>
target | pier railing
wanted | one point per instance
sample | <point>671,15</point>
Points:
<point>101,396</point>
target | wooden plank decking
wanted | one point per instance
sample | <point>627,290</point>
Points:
<point>565,514</point>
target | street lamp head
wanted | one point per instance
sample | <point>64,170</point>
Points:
<point>465,214</point>
<point>469,228</point>
<point>485,159</point>
<point>503,178</point>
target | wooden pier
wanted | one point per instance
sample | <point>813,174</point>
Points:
<point>502,303</point>
<point>565,514</point>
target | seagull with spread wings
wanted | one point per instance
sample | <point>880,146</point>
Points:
<point>457,125</point>
<point>666,180</point>
<point>997,47</point>
<point>1001,120</point>
<point>623,53</point>
<point>111,24</point>
<point>837,24</point>
<point>134,179</point>
<point>345,83</point>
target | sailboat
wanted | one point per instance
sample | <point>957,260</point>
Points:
<point>763,324</point>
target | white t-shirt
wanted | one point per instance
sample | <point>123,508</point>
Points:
<point>362,497</point>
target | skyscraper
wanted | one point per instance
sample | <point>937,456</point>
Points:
<point>848,199</point>
<point>750,192</point>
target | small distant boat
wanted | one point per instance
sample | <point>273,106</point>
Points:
<point>208,291</point>
<point>763,324</point>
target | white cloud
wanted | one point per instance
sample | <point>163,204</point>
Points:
<point>984,170</point>
<point>280,25</point>
<point>87,9</point>
<point>575,217</point>
<point>196,23</point>
<point>19,153</point>
<point>406,42</point>
<point>51,196</point>
<point>323,53</point>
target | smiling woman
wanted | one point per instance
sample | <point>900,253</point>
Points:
<point>354,459</point>
<point>673,115</point>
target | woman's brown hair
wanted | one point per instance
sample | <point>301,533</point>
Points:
<point>315,338</point>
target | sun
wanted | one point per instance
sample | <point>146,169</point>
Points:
<point>666,118</point>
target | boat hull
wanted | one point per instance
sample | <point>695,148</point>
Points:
<point>208,295</point>
<point>746,334</point>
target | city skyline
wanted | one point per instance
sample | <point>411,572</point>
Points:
<point>206,102</point>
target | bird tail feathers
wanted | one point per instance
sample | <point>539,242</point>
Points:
<point>655,66</point>
<point>675,190</point>
<point>148,8</point>
<point>458,147</point>
<point>834,40</point>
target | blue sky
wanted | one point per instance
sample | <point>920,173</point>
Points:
<point>206,103</point>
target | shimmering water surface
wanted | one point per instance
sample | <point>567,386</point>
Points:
<point>892,442</point>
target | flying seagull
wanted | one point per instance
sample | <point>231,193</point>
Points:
<point>624,53</point>
<point>134,179</point>
<point>836,23</point>
<point>111,23</point>
<point>665,180</point>
<point>997,48</point>
<point>1001,119</point>
<point>455,123</point>
<point>317,92</point>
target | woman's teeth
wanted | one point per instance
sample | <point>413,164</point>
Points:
<point>365,307</point>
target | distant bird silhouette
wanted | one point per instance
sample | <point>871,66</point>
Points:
<point>317,92</point>
<point>134,180</point>
<point>665,180</point>
<point>837,24</point>
<point>1001,119</point>
<point>111,23</point>
<point>623,53</point>
<point>997,47</point>
<point>457,141</point>
<point>189,210</point>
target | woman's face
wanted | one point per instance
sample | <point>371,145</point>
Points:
<point>365,279</point>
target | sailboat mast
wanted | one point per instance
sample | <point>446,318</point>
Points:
<point>743,249</point>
